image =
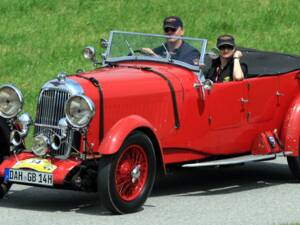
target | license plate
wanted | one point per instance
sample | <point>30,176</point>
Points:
<point>28,177</point>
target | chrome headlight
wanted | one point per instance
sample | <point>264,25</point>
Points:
<point>17,136</point>
<point>11,101</point>
<point>40,145</point>
<point>79,111</point>
<point>89,52</point>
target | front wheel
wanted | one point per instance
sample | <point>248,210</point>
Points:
<point>125,179</point>
<point>4,151</point>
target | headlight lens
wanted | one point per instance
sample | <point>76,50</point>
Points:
<point>89,52</point>
<point>40,145</point>
<point>79,111</point>
<point>11,101</point>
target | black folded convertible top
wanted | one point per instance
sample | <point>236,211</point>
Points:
<point>267,63</point>
<point>263,63</point>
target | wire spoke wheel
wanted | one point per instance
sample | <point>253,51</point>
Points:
<point>131,172</point>
<point>125,179</point>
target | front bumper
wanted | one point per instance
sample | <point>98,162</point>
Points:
<point>61,167</point>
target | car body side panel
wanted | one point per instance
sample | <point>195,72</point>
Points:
<point>129,92</point>
<point>212,130</point>
<point>222,124</point>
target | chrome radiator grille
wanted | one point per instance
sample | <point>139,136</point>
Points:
<point>50,110</point>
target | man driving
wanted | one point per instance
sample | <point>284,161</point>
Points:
<point>178,49</point>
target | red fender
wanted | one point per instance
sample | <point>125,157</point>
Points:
<point>118,133</point>
<point>291,128</point>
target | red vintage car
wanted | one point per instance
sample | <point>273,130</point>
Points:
<point>114,129</point>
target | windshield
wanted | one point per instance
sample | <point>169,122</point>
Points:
<point>187,52</point>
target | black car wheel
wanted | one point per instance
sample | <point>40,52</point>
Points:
<point>294,165</point>
<point>125,179</point>
<point>4,151</point>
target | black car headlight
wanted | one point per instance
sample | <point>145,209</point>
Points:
<point>79,111</point>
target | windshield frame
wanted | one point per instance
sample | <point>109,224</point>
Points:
<point>202,51</point>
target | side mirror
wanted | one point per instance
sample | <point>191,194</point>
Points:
<point>104,43</point>
<point>208,84</point>
<point>89,52</point>
<point>213,53</point>
<point>205,85</point>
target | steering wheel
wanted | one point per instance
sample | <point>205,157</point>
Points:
<point>139,52</point>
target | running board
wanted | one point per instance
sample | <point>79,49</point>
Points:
<point>234,160</point>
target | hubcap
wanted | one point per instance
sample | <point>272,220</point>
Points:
<point>136,173</point>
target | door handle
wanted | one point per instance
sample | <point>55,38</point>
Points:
<point>279,93</point>
<point>244,100</point>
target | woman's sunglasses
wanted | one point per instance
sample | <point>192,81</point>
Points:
<point>168,29</point>
<point>230,47</point>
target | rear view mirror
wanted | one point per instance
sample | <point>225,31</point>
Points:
<point>104,43</point>
<point>89,52</point>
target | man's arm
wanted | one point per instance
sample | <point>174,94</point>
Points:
<point>148,51</point>
<point>157,52</point>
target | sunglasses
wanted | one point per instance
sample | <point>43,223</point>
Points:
<point>230,47</point>
<point>168,29</point>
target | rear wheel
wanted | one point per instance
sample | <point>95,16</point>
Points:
<point>294,165</point>
<point>4,151</point>
<point>125,179</point>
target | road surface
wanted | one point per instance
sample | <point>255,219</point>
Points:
<point>256,193</point>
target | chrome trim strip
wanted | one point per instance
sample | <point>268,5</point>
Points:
<point>159,35</point>
<point>232,161</point>
<point>71,86</point>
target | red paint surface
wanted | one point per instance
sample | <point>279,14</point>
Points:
<point>221,124</point>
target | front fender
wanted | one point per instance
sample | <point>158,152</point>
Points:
<point>291,127</point>
<point>118,133</point>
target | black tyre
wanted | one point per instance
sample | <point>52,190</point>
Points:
<point>4,138</point>
<point>4,151</point>
<point>125,179</point>
<point>294,165</point>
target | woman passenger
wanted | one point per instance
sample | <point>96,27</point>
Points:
<point>227,67</point>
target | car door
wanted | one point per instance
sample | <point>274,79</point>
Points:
<point>226,105</point>
<point>262,99</point>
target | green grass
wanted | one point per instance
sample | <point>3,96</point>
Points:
<point>39,38</point>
